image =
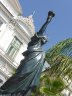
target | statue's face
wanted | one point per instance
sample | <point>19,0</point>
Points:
<point>44,39</point>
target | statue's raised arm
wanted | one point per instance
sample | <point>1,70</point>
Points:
<point>49,18</point>
<point>39,35</point>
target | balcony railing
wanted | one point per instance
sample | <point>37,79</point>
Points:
<point>8,59</point>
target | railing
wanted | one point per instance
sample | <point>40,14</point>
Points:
<point>8,59</point>
<point>5,71</point>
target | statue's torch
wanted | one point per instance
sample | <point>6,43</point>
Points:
<point>50,16</point>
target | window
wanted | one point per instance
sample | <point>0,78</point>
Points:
<point>14,47</point>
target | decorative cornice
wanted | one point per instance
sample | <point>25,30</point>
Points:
<point>16,5</point>
<point>28,21</point>
<point>13,5</point>
<point>5,12</point>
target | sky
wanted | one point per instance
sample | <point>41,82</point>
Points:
<point>60,28</point>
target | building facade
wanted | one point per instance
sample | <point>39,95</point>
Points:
<point>15,33</point>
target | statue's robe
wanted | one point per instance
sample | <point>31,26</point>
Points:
<point>28,73</point>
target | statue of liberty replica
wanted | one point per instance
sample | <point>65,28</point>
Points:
<point>28,73</point>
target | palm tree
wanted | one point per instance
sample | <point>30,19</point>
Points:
<point>49,86</point>
<point>60,58</point>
